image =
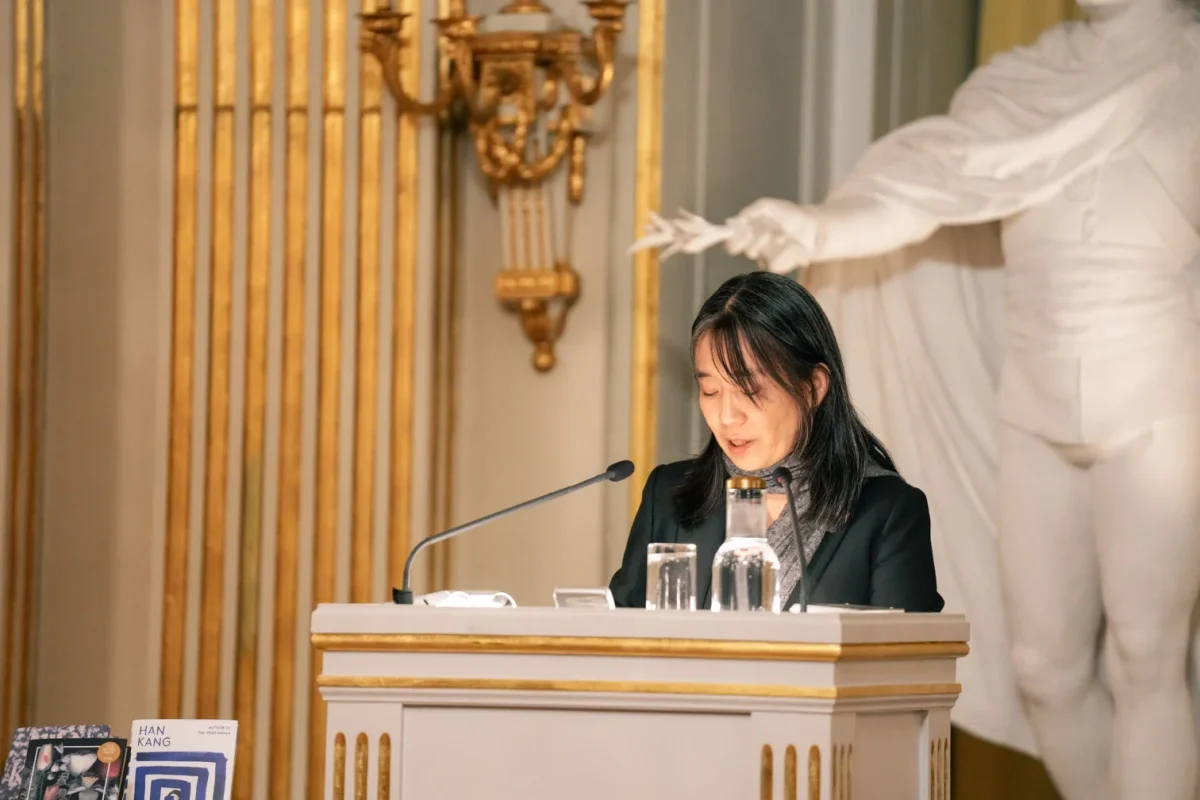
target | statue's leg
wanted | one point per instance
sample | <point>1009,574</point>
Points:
<point>1147,506</point>
<point>1052,597</point>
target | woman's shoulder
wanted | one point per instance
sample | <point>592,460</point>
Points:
<point>887,491</point>
<point>668,476</point>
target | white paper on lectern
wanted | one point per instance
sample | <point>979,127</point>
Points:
<point>447,599</point>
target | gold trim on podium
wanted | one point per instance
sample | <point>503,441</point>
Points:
<point>790,784</point>
<point>626,646</point>
<point>766,777</point>
<point>814,773</point>
<point>641,687</point>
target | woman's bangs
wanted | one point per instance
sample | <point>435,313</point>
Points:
<point>728,344</point>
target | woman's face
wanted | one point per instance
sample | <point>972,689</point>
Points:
<point>755,432</point>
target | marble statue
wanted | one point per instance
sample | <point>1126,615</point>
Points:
<point>1060,446</point>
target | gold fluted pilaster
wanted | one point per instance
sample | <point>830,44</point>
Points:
<point>360,767</point>
<point>404,314</point>
<point>187,42</point>
<point>385,768</point>
<point>37,295</point>
<point>333,129</point>
<point>287,533</point>
<point>23,391</point>
<point>790,780</point>
<point>258,272</point>
<point>445,334</point>
<point>370,142</point>
<point>648,190</point>
<point>814,773</point>
<point>212,576</point>
<point>339,767</point>
<point>445,348</point>
<point>766,776</point>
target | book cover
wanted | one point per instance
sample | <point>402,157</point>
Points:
<point>182,759</point>
<point>78,769</point>
<point>10,784</point>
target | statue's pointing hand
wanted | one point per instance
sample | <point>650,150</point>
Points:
<point>775,233</point>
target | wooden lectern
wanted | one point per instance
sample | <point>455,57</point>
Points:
<point>593,704</point>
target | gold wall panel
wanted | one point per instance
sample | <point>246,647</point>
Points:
<point>265,420</point>
<point>26,277</point>
<point>183,331</point>
<point>370,143</point>
<point>333,131</point>
<point>648,190</point>
<point>404,311</point>
<point>245,704</point>
<point>212,589</point>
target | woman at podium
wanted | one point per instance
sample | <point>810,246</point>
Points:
<point>773,391</point>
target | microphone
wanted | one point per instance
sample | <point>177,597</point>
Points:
<point>783,477</point>
<point>616,472</point>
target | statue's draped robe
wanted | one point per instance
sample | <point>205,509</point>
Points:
<point>922,327</point>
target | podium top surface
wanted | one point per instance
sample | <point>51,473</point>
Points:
<point>368,619</point>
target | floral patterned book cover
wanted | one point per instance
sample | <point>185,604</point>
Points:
<point>74,769</point>
<point>10,785</point>
<point>182,759</point>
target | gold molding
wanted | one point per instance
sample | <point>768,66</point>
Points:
<point>404,310</point>
<point>384,784</point>
<point>627,647</point>
<point>291,400</point>
<point>647,192</point>
<point>814,773</point>
<point>766,774</point>
<point>641,687</point>
<point>360,767</point>
<point>26,398</point>
<point>183,332</point>
<point>445,348</point>
<point>20,246</point>
<point>332,200</point>
<point>939,769</point>
<point>366,373</point>
<point>843,772</point>
<point>36,395</point>
<point>258,276</point>
<point>216,468</point>
<point>339,767</point>
<point>789,773</point>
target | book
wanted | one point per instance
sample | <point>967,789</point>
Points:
<point>10,784</point>
<point>74,769</point>
<point>182,759</point>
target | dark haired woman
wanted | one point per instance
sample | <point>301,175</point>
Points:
<point>773,392</point>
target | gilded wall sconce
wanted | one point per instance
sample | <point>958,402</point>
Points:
<point>525,86</point>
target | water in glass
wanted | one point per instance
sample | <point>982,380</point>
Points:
<point>671,577</point>
<point>746,569</point>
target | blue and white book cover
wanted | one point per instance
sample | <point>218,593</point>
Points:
<point>182,759</point>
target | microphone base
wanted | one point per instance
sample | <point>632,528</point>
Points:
<point>402,597</point>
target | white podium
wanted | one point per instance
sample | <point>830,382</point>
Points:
<point>532,703</point>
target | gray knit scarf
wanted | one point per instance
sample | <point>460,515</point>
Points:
<point>780,534</point>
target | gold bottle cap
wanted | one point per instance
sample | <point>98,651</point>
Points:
<point>746,482</point>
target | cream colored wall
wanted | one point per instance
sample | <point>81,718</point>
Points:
<point>521,433</point>
<point>108,332</point>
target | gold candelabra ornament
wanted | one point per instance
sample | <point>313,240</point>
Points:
<point>525,88</point>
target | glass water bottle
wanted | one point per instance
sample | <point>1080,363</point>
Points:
<point>746,569</point>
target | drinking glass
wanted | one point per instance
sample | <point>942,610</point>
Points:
<point>671,577</point>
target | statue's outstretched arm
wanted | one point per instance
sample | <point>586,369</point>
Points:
<point>783,236</point>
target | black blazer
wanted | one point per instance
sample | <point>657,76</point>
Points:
<point>883,557</point>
